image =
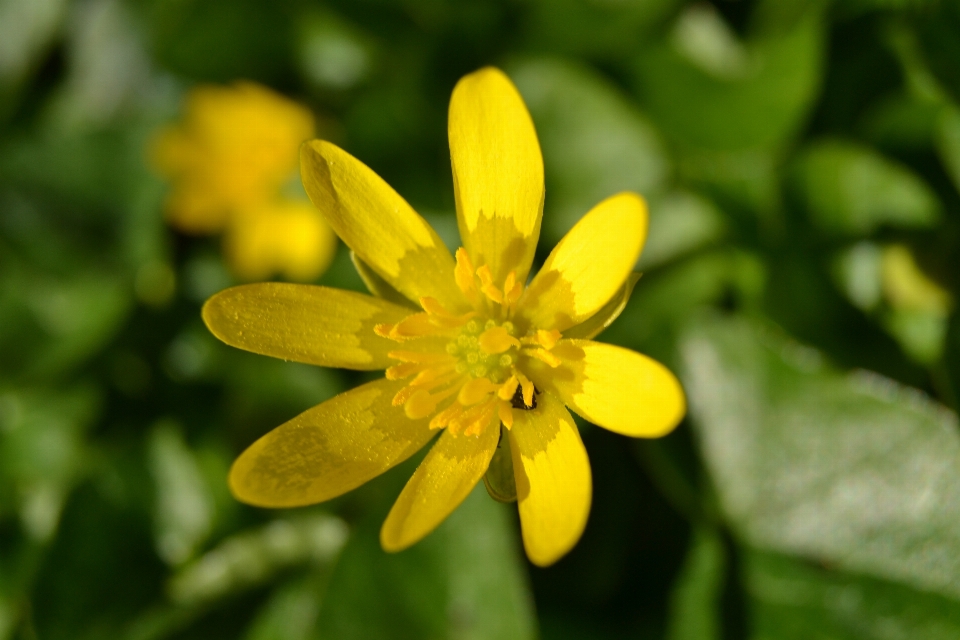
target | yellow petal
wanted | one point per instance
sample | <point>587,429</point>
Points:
<point>614,388</point>
<point>497,173</point>
<point>329,450</point>
<point>553,479</point>
<point>602,319</point>
<point>446,476</point>
<point>381,228</point>
<point>377,285</point>
<point>305,323</point>
<point>589,266</point>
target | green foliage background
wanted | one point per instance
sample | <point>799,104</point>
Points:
<point>813,491</point>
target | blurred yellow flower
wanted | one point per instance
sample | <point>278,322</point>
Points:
<point>228,161</point>
<point>468,349</point>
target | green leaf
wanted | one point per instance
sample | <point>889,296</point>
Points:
<point>850,469</point>
<point>680,222</point>
<point>463,581</point>
<point>54,324</point>
<point>948,142</point>
<point>695,601</point>
<point>602,147</point>
<point>792,600</point>
<point>184,510</point>
<point>760,95</point>
<point>850,189</point>
<point>663,301</point>
<point>600,29</point>
<point>42,450</point>
<point>292,610</point>
<point>251,558</point>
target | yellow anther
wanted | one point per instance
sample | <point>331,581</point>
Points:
<point>545,356</point>
<point>483,418</point>
<point>548,339</point>
<point>497,340</point>
<point>384,330</point>
<point>433,307</point>
<point>463,274</point>
<point>416,325</point>
<point>513,293</point>
<point>418,356</point>
<point>419,405</point>
<point>508,388</point>
<point>474,391</point>
<point>487,286</point>
<point>506,414</point>
<point>443,418</point>
<point>405,370</point>
<point>510,281</point>
<point>526,388</point>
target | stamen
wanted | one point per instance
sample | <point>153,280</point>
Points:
<point>418,356</point>
<point>548,339</point>
<point>419,405</point>
<point>505,412</point>
<point>487,286</point>
<point>463,274</point>
<point>527,388</point>
<point>508,388</point>
<point>444,418</point>
<point>497,340</point>
<point>512,290</point>
<point>405,370</point>
<point>435,376</point>
<point>544,356</point>
<point>475,390</point>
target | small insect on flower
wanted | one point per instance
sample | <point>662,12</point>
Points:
<point>469,349</point>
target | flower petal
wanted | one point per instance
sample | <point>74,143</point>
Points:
<point>381,228</point>
<point>379,287</point>
<point>305,323</point>
<point>329,450</point>
<point>602,319</point>
<point>614,388</point>
<point>589,265</point>
<point>497,173</point>
<point>445,477</point>
<point>553,479</point>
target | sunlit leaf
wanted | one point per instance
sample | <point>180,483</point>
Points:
<point>794,600</point>
<point>850,189</point>
<point>850,469</point>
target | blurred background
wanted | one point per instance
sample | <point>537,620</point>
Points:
<point>802,163</point>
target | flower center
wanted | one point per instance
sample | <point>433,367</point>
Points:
<point>477,375</point>
<point>486,350</point>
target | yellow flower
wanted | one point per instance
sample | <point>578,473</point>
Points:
<point>229,160</point>
<point>469,350</point>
